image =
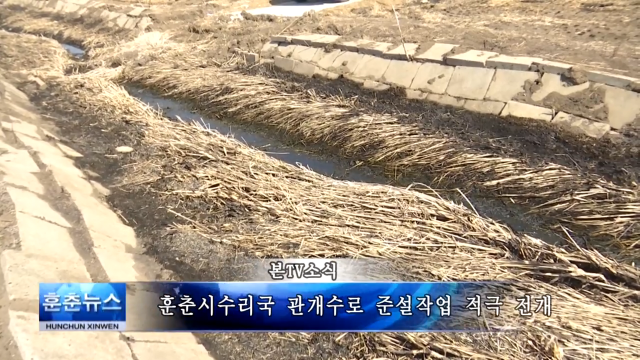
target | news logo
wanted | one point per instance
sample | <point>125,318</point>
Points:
<point>83,307</point>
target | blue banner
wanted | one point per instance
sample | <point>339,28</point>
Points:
<point>83,307</point>
<point>281,306</point>
<point>310,307</point>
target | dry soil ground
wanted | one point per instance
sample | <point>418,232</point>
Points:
<point>596,33</point>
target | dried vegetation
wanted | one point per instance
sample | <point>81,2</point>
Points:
<point>282,213</point>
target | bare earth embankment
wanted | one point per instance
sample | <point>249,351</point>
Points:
<point>199,197</point>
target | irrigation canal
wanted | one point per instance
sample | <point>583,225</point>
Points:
<point>275,145</point>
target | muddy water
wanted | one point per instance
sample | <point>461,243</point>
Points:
<point>276,146</point>
<point>338,169</point>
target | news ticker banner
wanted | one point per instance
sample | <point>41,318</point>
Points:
<point>277,306</point>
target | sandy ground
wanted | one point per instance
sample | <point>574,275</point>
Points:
<point>598,34</point>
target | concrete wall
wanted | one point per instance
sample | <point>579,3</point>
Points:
<point>130,17</point>
<point>580,100</point>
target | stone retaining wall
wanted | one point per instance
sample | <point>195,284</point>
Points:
<point>131,17</point>
<point>581,100</point>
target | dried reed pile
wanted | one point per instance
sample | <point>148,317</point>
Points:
<point>284,215</point>
<point>580,201</point>
<point>94,33</point>
<point>51,59</point>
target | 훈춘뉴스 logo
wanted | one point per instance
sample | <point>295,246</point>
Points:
<point>82,306</point>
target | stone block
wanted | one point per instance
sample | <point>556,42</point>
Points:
<point>15,107</point>
<point>616,80</point>
<point>470,82</point>
<point>304,69</point>
<point>285,50</point>
<point>375,86</point>
<point>553,83</point>
<point>400,73</point>
<point>281,38</point>
<point>310,39</point>
<point>58,244</point>
<point>30,208</point>
<point>101,220</point>
<point>346,62</point>
<point>551,67</point>
<point>484,106</point>
<point>326,74</point>
<point>14,92</point>
<point>374,48</point>
<point>521,63</point>
<point>136,11</point>
<point>435,53</point>
<point>433,78</point>
<point>125,267</point>
<point>352,45</point>
<point>371,67</point>
<point>23,272</point>
<point>324,41</point>
<point>306,54</point>
<point>17,161</point>
<point>623,106</point>
<point>354,79</point>
<point>446,100</point>
<point>15,176</point>
<point>285,64</point>
<point>508,83</point>
<point>471,58</point>
<point>251,58</point>
<point>15,125</point>
<point>402,52</point>
<point>69,151</point>
<point>415,94</point>
<point>106,14</point>
<point>110,15</point>
<point>122,20</point>
<point>327,59</point>
<point>517,109</point>
<point>144,23</point>
<point>268,50</point>
<point>131,23</point>
<point>581,125</point>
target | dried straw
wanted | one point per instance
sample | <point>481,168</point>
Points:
<point>584,203</point>
<point>284,215</point>
<point>580,201</point>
